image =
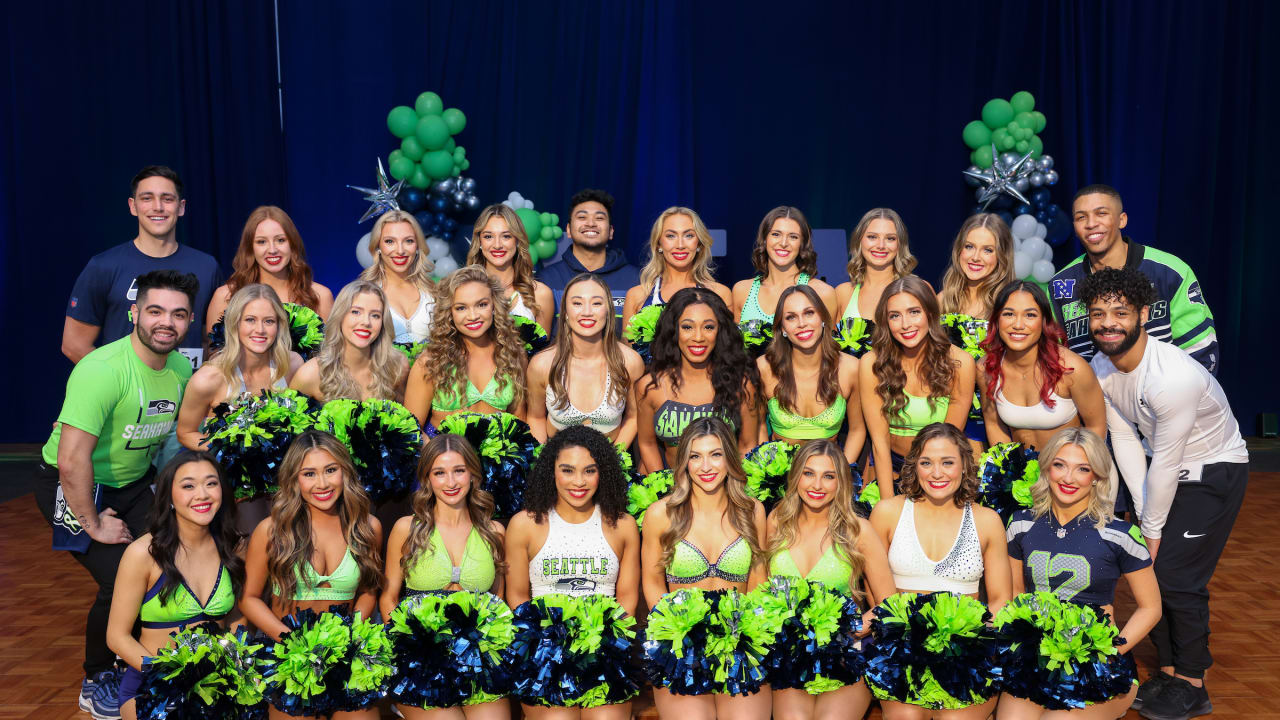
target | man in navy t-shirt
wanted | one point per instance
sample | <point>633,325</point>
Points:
<point>105,290</point>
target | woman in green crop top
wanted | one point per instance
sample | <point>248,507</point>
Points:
<point>475,359</point>
<point>810,387</point>
<point>879,253</point>
<point>814,535</point>
<point>783,257</point>
<point>186,570</point>
<point>912,376</point>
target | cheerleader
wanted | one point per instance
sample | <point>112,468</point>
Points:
<point>814,535</point>
<point>574,552</point>
<point>879,253</point>
<point>403,271</point>
<point>1069,544</point>
<point>783,257</point>
<point>358,359</point>
<point>318,549</point>
<point>185,570</point>
<point>451,519</point>
<point>500,245</point>
<point>935,517</point>
<point>707,515</point>
<point>679,258</point>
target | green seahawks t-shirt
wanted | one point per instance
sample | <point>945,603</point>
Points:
<point>130,407</point>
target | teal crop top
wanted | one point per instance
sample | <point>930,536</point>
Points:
<point>448,400</point>
<point>434,570</point>
<point>792,426</point>
<point>182,608</point>
<point>689,565</point>
<point>342,582</point>
<point>751,309</point>
<point>917,414</point>
<point>830,570</point>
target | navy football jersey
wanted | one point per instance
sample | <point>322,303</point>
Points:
<point>1077,562</point>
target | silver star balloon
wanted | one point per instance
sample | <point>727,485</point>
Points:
<point>1001,179</point>
<point>383,198</point>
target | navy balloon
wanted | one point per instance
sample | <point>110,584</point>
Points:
<point>1022,209</point>
<point>460,243</point>
<point>1042,215</point>
<point>1041,198</point>
<point>438,203</point>
<point>1058,226</point>
<point>424,219</point>
<point>412,199</point>
<point>449,225</point>
<point>1006,217</point>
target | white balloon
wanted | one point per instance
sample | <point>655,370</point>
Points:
<point>437,248</point>
<point>1047,253</point>
<point>515,198</point>
<point>1033,247</point>
<point>362,252</point>
<point>1041,230</point>
<point>1022,263</point>
<point>1024,226</point>
<point>528,204</point>
<point>444,266</point>
<point>1042,271</point>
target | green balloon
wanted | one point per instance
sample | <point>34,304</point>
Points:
<point>1040,120</point>
<point>419,178</point>
<point>997,113</point>
<point>451,144</point>
<point>412,148</point>
<point>459,154</point>
<point>548,232</point>
<point>457,170</point>
<point>1026,120</point>
<point>464,164</point>
<point>401,167</point>
<point>437,164</point>
<point>454,118</point>
<point>401,121</point>
<point>546,248</point>
<point>998,137</point>
<point>1022,146</point>
<point>982,156</point>
<point>976,135</point>
<point>428,103</point>
<point>1026,133</point>
<point>1037,146</point>
<point>1022,101</point>
<point>533,254</point>
<point>532,223</point>
<point>1009,142</point>
<point>431,132</point>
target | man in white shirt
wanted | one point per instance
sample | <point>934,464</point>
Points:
<point>1188,496</point>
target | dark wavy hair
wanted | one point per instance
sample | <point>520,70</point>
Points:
<point>806,256</point>
<point>163,525</point>
<point>935,362</point>
<point>1048,355</point>
<point>909,483</point>
<point>611,492</point>
<point>1128,285</point>
<point>730,369</point>
<point>779,354</point>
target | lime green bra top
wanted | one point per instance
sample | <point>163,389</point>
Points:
<point>830,570</point>
<point>917,414</point>
<point>342,582</point>
<point>689,565</point>
<point>798,427</point>
<point>434,569</point>
<point>448,400</point>
<point>182,607</point>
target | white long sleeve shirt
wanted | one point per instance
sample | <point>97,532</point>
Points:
<point>1179,409</point>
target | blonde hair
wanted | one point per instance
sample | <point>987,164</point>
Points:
<point>1095,450</point>
<point>228,360</point>
<point>524,282</point>
<point>702,267</point>
<point>955,284</point>
<point>384,360</point>
<point>419,268</point>
<point>903,262</point>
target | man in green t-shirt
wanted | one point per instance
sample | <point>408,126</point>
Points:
<point>121,403</point>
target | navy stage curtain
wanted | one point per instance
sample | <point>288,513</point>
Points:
<point>730,108</point>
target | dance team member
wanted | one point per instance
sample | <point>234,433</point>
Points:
<point>357,359</point>
<point>500,245</point>
<point>679,258</point>
<point>1189,494</point>
<point>471,339</point>
<point>911,378</point>
<point>814,527</point>
<point>185,570</point>
<point>271,252</point>
<point>574,538</point>
<point>879,253</point>
<point>403,271</point>
<point>708,514</point>
<point>936,517</point>
<point>699,369</point>
<point>588,376</point>
<point>1069,544</point>
<point>783,257</point>
<point>810,387</point>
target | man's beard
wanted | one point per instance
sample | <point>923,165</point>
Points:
<point>145,336</point>
<point>1112,349</point>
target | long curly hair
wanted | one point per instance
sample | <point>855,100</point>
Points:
<point>955,284</point>
<point>935,360</point>
<point>163,525</point>
<point>524,282</point>
<point>702,266</point>
<point>385,361</point>
<point>843,529</point>
<point>731,371</point>
<point>244,267</point>
<point>227,361</point>
<point>292,541</point>
<point>903,263</point>
<point>779,354</point>
<point>909,481</point>
<point>611,491</point>
<point>1048,345</point>
<point>479,502</point>
<point>558,380</point>
<point>446,358</point>
<point>806,256</point>
<point>420,266</point>
<point>740,508</point>
<point>1095,450</point>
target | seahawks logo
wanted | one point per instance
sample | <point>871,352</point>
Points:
<point>570,586</point>
<point>63,516</point>
<point>161,407</point>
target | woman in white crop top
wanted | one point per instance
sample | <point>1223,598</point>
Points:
<point>587,377</point>
<point>1031,384</point>
<point>402,269</point>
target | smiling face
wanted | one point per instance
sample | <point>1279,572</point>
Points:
<point>398,246</point>
<point>1115,325</point>
<point>363,322</point>
<point>577,477</point>
<point>162,317</point>
<point>258,326</point>
<point>801,321</point>
<point>589,225</point>
<point>978,254</point>
<point>697,330</point>
<point>1098,220</point>
<point>450,479</point>
<point>678,242</point>
<point>879,244</point>
<point>157,206</point>
<point>320,480</point>
<point>1020,322</point>
<point>783,242</point>
<point>472,309</point>
<point>1071,478</point>
<point>271,247</point>
<point>908,321</point>
<point>197,492</point>
<point>818,482</point>
<point>939,469</point>
<point>586,307</point>
<point>497,243</point>
<point>707,467</point>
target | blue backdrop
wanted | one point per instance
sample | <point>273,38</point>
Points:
<point>730,108</point>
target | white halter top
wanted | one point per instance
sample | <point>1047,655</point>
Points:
<point>913,571</point>
<point>417,326</point>
<point>606,417</point>
<point>576,559</point>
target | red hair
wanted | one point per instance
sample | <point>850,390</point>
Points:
<point>244,267</point>
<point>1052,337</point>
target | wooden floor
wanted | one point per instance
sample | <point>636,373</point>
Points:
<point>44,597</point>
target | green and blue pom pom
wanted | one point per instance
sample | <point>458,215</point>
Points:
<point>1007,472</point>
<point>573,652</point>
<point>204,673</point>
<point>507,450</point>
<point>249,438</point>
<point>384,440</point>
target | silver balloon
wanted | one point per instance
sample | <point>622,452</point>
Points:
<point>1001,179</point>
<point>1021,184</point>
<point>473,202</point>
<point>1045,162</point>
<point>980,194</point>
<point>1008,160</point>
<point>1036,178</point>
<point>459,198</point>
<point>467,185</point>
<point>445,186</point>
<point>1051,177</point>
<point>974,169</point>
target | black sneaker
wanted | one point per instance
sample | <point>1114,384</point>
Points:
<point>1177,700</point>
<point>1149,689</point>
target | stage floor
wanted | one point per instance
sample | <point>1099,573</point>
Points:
<point>46,594</point>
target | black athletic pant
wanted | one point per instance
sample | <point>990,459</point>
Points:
<point>132,505</point>
<point>1200,520</point>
